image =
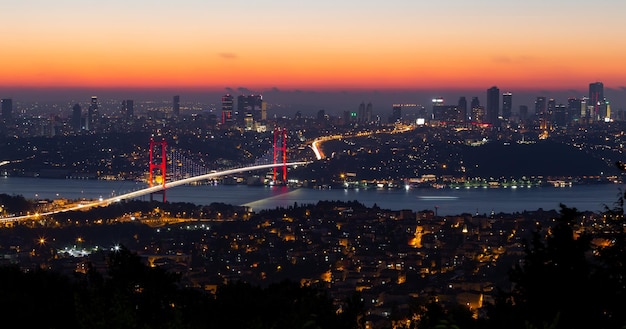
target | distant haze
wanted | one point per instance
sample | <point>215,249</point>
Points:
<point>306,101</point>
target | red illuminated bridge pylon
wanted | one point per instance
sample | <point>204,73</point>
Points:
<point>158,173</point>
<point>280,148</point>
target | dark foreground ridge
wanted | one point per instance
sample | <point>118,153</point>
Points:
<point>327,265</point>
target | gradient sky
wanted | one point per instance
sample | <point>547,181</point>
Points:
<point>313,45</point>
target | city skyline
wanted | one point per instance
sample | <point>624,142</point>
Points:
<point>285,102</point>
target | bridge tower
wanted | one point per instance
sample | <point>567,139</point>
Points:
<point>280,148</point>
<point>157,164</point>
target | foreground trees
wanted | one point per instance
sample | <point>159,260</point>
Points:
<point>570,277</point>
<point>573,275</point>
<point>132,295</point>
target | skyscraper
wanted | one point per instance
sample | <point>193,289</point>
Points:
<point>560,115</point>
<point>128,108</point>
<point>477,111</point>
<point>227,109</point>
<point>551,107</point>
<point>369,108</point>
<point>463,108</point>
<point>523,113</point>
<point>437,110</point>
<point>541,112</point>
<point>7,108</point>
<point>361,113</point>
<point>574,109</point>
<point>92,114</point>
<point>507,105</point>
<point>540,106</point>
<point>396,113</point>
<point>77,117</point>
<point>250,104</point>
<point>493,104</point>
<point>176,106</point>
<point>596,98</point>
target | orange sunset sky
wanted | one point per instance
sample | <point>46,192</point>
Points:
<point>313,45</point>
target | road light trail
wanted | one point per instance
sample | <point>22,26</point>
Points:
<point>148,190</point>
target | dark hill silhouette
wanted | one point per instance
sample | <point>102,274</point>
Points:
<point>543,158</point>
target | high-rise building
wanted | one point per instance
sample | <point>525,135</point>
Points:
<point>92,114</point>
<point>551,107</point>
<point>541,112</point>
<point>477,112</point>
<point>437,109</point>
<point>523,113</point>
<point>128,108</point>
<point>462,106</point>
<point>7,108</point>
<point>596,99</point>
<point>369,108</point>
<point>396,113</point>
<point>475,102</point>
<point>574,109</point>
<point>361,113</point>
<point>446,113</point>
<point>560,115</point>
<point>507,105</point>
<point>585,109</point>
<point>227,109</point>
<point>493,104</point>
<point>77,117</point>
<point>176,105</point>
<point>540,106</point>
<point>251,104</point>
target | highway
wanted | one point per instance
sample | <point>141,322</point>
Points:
<point>317,143</point>
<point>149,190</point>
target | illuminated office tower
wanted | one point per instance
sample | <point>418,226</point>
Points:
<point>437,110</point>
<point>540,106</point>
<point>477,111</point>
<point>7,109</point>
<point>92,114</point>
<point>584,109</point>
<point>446,113</point>
<point>227,109</point>
<point>596,99</point>
<point>507,105</point>
<point>493,104</point>
<point>176,105</point>
<point>250,104</point>
<point>541,112</point>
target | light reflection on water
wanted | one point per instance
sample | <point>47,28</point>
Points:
<point>446,201</point>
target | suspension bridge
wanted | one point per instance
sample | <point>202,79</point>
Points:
<point>158,181</point>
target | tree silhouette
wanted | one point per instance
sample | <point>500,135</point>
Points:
<point>555,283</point>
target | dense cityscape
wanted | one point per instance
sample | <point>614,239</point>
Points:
<point>442,144</point>
<point>398,262</point>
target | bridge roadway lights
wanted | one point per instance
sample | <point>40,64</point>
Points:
<point>150,190</point>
